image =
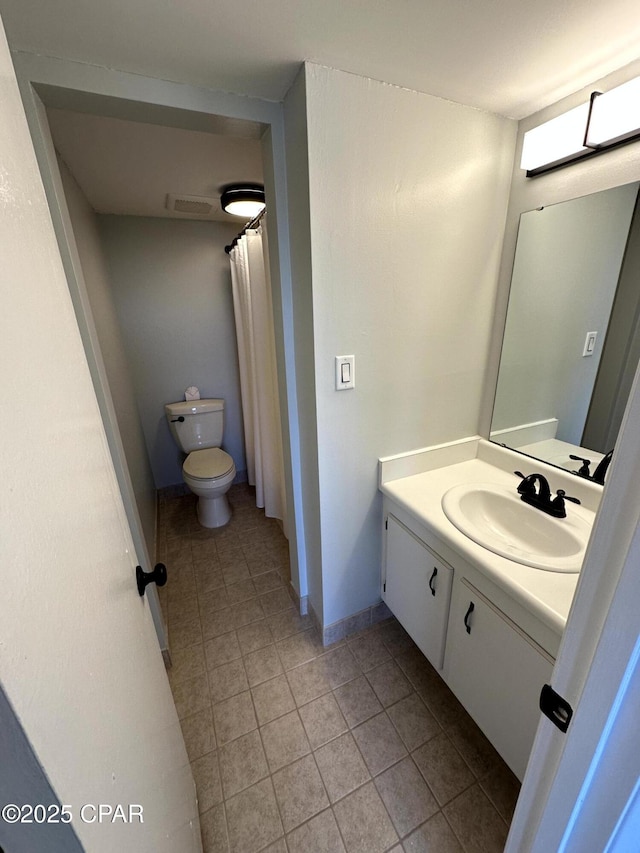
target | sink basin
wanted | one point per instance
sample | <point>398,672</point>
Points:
<point>496,518</point>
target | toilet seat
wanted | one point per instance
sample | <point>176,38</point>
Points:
<point>210,463</point>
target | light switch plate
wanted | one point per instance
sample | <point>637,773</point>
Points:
<point>345,372</point>
<point>589,344</point>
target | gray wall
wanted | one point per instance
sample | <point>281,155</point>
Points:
<point>172,290</point>
<point>96,277</point>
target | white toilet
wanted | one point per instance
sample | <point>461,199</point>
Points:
<point>197,427</point>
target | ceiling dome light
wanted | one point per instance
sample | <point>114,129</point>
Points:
<point>246,200</point>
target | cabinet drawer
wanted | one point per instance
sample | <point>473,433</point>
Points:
<point>497,672</point>
<point>417,589</point>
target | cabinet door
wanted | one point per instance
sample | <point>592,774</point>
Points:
<point>497,672</point>
<point>417,590</point>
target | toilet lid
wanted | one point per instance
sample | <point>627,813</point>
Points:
<point>208,463</point>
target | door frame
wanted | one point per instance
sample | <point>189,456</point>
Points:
<point>46,81</point>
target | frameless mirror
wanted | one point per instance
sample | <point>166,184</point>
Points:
<point>572,336</point>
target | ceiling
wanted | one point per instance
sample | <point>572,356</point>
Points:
<point>512,57</point>
<point>129,168</point>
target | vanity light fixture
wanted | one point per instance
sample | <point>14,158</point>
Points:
<point>246,200</point>
<point>607,120</point>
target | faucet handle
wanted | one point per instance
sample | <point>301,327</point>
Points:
<point>584,468</point>
<point>564,496</point>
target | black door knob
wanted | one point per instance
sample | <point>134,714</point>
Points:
<point>157,576</point>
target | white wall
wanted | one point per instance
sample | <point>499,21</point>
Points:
<point>564,281</point>
<point>96,279</point>
<point>172,289</point>
<point>408,197</point>
<point>295,116</point>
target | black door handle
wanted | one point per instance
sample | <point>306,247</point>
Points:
<point>431,580</point>
<point>157,576</point>
<point>472,607</point>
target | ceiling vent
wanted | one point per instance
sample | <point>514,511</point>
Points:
<point>193,205</point>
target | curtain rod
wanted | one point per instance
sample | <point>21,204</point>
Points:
<point>251,224</point>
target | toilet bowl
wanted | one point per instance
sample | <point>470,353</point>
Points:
<point>209,473</point>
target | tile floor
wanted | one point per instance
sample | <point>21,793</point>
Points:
<point>296,748</point>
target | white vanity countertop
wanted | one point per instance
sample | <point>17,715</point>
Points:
<point>548,595</point>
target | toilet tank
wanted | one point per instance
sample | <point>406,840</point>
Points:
<point>196,424</point>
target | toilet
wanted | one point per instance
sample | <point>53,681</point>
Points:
<point>197,426</point>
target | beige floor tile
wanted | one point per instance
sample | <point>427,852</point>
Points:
<point>395,638</point>
<point>186,663</point>
<point>476,823</point>
<point>474,747</point>
<point>284,740</point>
<point>254,636</point>
<point>198,733</point>
<point>213,826</point>
<point>379,743</point>
<point>322,720</point>
<point>234,717</point>
<point>185,634</point>
<point>341,767</point>
<point>262,665</point>
<point>275,601</point>
<point>242,763</point>
<point>443,768</point>
<point>253,818</point>
<point>206,775</point>
<point>218,623</point>
<point>319,835</point>
<point>389,684</point>
<point>299,648</point>
<point>299,792</point>
<point>364,822</point>
<point>267,582</point>
<point>227,680</point>
<point>413,721</point>
<point>369,650</point>
<point>241,591</point>
<point>435,836</point>
<point>308,681</point>
<point>222,649</point>
<point>288,622</point>
<point>183,610</point>
<point>340,666</point>
<point>211,602</point>
<point>503,789</point>
<point>357,701</point>
<point>234,572</point>
<point>208,577</point>
<point>191,696</point>
<point>272,699</point>
<point>406,796</point>
<point>246,612</point>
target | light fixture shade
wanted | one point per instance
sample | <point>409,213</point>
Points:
<point>555,141</point>
<point>245,200</point>
<point>615,115</point>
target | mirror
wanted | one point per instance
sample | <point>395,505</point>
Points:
<point>572,336</point>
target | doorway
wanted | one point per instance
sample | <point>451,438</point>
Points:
<point>40,96</point>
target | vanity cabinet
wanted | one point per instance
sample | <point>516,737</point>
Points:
<point>479,639</point>
<point>417,589</point>
<point>496,671</point>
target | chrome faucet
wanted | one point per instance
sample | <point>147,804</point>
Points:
<point>540,498</point>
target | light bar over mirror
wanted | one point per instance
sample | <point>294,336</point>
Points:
<point>607,120</point>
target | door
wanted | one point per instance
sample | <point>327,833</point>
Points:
<point>497,672</point>
<point>417,590</point>
<point>79,659</point>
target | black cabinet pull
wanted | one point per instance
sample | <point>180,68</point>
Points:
<point>472,607</point>
<point>431,580</point>
<point>157,576</point>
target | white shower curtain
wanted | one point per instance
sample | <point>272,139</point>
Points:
<point>252,304</point>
